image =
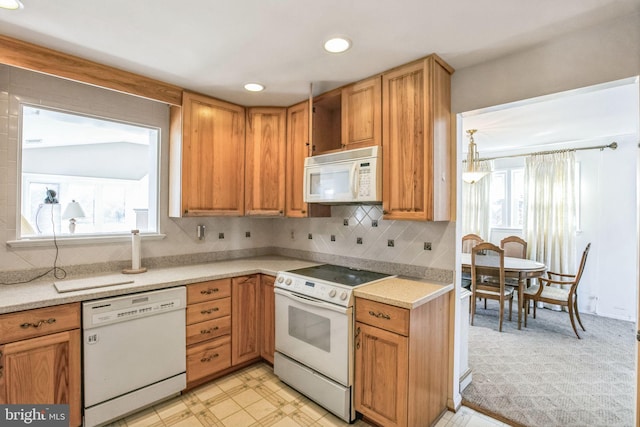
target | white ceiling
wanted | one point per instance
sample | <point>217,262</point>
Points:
<point>214,47</point>
<point>575,118</point>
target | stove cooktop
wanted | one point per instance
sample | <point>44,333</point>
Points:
<point>340,275</point>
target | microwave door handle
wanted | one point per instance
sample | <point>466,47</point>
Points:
<point>354,179</point>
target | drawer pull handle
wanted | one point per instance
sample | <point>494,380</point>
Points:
<point>208,331</point>
<point>380,315</point>
<point>210,291</point>
<point>37,325</point>
<point>209,311</point>
<point>209,359</point>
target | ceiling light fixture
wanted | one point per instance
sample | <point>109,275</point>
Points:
<point>473,172</point>
<point>11,4</point>
<point>254,87</point>
<point>337,45</point>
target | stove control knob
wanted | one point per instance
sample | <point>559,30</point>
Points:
<point>280,279</point>
<point>287,282</point>
<point>343,295</point>
<point>332,293</point>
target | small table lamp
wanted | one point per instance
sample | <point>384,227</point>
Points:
<point>73,211</point>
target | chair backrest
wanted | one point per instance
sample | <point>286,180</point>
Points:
<point>514,247</point>
<point>485,257</point>
<point>469,241</point>
<point>583,261</point>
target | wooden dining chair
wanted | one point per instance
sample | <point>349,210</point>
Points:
<point>565,295</point>
<point>480,255</point>
<point>514,247</point>
<point>469,241</point>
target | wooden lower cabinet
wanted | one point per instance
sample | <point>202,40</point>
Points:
<point>208,358</point>
<point>267,318</point>
<point>208,330</point>
<point>245,326</point>
<point>40,362</point>
<point>402,359</point>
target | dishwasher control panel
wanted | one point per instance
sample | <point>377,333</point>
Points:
<point>133,312</point>
<point>121,309</point>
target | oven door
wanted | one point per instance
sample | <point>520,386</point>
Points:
<point>316,334</point>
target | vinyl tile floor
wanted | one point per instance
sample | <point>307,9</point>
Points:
<point>255,397</point>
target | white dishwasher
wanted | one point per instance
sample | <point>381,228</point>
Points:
<point>134,352</point>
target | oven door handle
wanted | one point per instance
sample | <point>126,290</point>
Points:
<point>310,301</point>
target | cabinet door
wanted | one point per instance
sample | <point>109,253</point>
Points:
<point>362,114</point>
<point>212,157</point>
<point>416,122</point>
<point>297,151</point>
<point>381,375</point>
<point>44,370</point>
<point>265,160</point>
<point>244,319</point>
<point>268,307</point>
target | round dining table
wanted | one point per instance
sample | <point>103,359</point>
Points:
<point>517,268</point>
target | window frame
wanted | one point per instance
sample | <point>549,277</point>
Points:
<point>155,181</point>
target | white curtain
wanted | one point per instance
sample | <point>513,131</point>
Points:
<point>476,203</point>
<point>550,210</point>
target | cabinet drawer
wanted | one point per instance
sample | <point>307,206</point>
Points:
<point>207,330</point>
<point>384,316</point>
<point>208,310</point>
<point>38,322</point>
<point>207,291</point>
<point>208,358</point>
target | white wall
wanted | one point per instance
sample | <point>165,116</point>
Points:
<point>608,221</point>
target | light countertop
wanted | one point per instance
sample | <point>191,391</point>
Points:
<point>403,292</point>
<point>44,294</point>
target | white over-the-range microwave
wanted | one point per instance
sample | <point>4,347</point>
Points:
<point>352,176</point>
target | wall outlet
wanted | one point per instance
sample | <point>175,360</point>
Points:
<point>200,231</point>
<point>293,235</point>
<point>427,246</point>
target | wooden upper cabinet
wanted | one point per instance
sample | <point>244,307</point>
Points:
<point>416,123</point>
<point>207,158</point>
<point>326,122</point>
<point>348,117</point>
<point>362,114</point>
<point>298,142</point>
<point>265,161</point>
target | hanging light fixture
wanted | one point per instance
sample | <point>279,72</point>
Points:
<point>472,172</point>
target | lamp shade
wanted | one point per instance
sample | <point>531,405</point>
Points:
<point>73,210</point>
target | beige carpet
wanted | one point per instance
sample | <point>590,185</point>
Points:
<point>544,376</point>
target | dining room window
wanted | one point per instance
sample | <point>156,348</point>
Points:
<point>507,198</point>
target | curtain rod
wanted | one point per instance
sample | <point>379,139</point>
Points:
<point>613,146</point>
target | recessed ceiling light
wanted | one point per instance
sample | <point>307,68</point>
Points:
<point>11,4</point>
<point>254,87</point>
<point>337,45</point>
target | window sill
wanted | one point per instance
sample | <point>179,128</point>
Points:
<point>78,241</point>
